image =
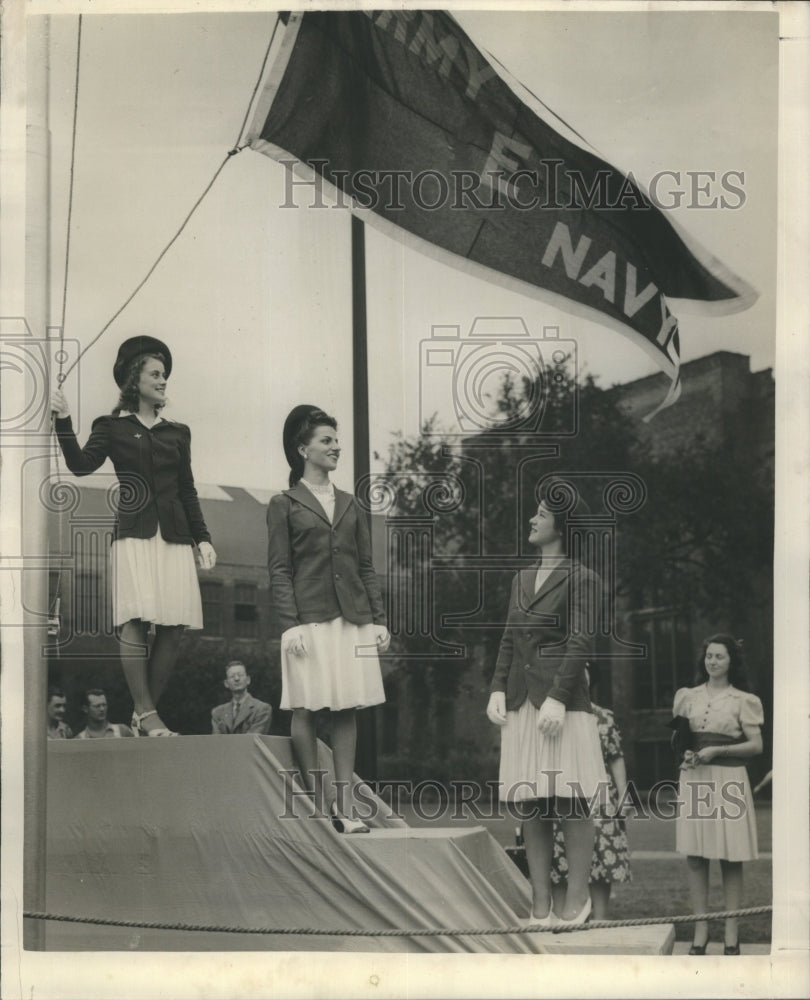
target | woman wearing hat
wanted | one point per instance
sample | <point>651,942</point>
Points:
<point>551,760</point>
<point>329,605</point>
<point>158,521</point>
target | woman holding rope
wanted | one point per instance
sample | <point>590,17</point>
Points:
<point>716,810</point>
<point>158,521</point>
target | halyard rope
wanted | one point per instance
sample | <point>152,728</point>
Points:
<point>236,148</point>
<point>592,925</point>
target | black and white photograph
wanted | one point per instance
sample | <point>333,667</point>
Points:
<point>404,480</point>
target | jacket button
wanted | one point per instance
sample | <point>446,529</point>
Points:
<point>336,549</point>
<point>526,667</point>
<point>337,576</point>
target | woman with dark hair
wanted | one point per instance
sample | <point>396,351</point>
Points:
<point>158,521</point>
<point>716,809</point>
<point>551,760</point>
<point>330,608</point>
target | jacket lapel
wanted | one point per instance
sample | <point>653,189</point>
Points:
<point>305,497</point>
<point>343,501</point>
<point>558,576</point>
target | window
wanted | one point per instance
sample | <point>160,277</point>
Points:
<point>245,612</point>
<point>211,593</point>
<point>669,661</point>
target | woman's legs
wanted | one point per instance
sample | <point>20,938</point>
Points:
<point>732,896</point>
<point>600,900</point>
<point>305,746</point>
<point>344,747</point>
<point>538,837</point>
<point>146,672</point>
<point>163,658</point>
<point>578,835</point>
<point>135,663</point>
<point>698,869</point>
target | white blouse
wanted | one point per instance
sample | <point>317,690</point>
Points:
<point>724,712</point>
<point>325,497</point>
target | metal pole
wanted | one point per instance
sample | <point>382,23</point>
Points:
<point>366,723</point>
<point>34,518</point>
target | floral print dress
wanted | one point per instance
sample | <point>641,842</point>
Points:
<point>611,853</point>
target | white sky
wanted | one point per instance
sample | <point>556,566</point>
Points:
<point>254,300</point>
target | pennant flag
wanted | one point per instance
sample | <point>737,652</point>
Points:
<point>398,116</point>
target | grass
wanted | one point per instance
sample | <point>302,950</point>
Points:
<point>659,886</point>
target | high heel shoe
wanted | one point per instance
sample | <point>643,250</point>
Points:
<point>138,729</point>
<point>550,920</point>
<point>731,949</point>
<point>345,825</point>
<point>580,918</point>
<point>698,949</point>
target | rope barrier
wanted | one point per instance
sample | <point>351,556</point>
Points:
<point>592,925</point>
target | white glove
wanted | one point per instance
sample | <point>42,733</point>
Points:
<point>292,641</point>
<point>382,637</point>
<point>496,708</point>
<point>208,557</point>
<point>552,716</point>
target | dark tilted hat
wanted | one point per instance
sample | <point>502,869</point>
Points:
<point>292,425</point>
<point>130,350</point>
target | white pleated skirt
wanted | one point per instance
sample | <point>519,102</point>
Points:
<point>716,816</point>
<point>340,669</point>
<point>156,581</point>
<point>537,766</point>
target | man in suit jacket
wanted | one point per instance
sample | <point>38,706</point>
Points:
<point>243,713</point>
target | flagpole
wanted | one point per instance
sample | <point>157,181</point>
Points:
<point>34,523</point>
<point>366,723</point>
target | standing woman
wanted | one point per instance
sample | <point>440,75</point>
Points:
<point>551,760</point>
<point>158,521</point>
<point>716,809</point>
<point>329,604</point>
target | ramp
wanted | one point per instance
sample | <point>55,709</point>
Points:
<point>204,830</point>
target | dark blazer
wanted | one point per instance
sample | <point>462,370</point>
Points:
<point>154,469</point>
<point>549,637</point>
<point>254,716</point>
<point>320,571</point>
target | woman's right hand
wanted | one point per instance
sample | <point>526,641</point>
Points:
<point>59,405</point>
<point>292,641</point>
<point>496,708</point>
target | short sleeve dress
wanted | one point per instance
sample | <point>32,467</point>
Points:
<point>716,809</point>
<point>611,852</point>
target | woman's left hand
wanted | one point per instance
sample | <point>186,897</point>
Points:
<point>208,558</point>
<point>382,637</point>
<point>705,755</point>
<point>551,718</point>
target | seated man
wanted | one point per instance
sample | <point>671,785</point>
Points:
<point>94,706</point>
<point>243,713</point>
<point>58,729</point>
